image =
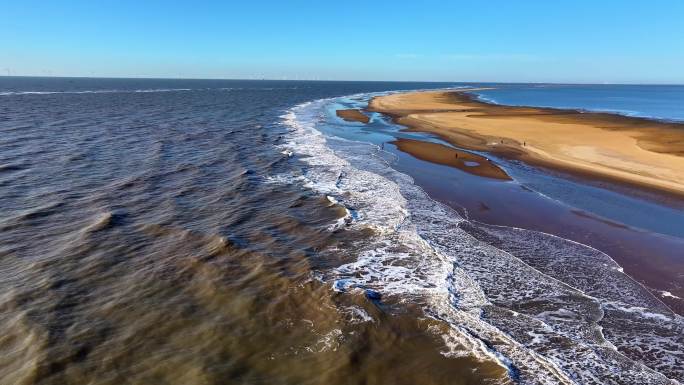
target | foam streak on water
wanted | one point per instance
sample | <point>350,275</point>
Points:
<point>549,310</point>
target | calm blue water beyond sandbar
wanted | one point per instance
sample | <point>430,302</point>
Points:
<point>650,101</point>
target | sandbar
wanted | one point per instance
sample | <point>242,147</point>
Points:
<point>353,116</point>
<point>633,151</point>
<point>440,154</point>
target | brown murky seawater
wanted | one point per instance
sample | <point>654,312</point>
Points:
<point>141,244</point>
<point>221,232</point>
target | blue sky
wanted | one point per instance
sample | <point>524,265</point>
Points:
<point>527,41</point>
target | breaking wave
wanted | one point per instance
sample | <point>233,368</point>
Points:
<point>547,309</point>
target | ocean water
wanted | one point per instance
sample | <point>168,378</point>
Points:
<point>664,102</point>
<point>211,232</point>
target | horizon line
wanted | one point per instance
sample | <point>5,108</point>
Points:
<point>339,81</point>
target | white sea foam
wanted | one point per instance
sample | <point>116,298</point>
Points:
<point>549,310</point>
<point>668,294</point>
<point>358,315</point>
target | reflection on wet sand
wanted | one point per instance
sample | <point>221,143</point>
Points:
<point>651,258</point>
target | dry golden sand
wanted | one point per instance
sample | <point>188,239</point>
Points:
<point>635,151</point>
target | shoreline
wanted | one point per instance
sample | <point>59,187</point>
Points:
<point>650,258</point>
<point>650,255</point>
<point>599,146</point>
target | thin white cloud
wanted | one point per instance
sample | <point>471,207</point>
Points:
<point>492,56</point>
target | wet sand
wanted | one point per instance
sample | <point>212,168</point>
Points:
<point>652,259</point>
<point>607,147</point>
<point>462,160</point>
<point>353,116</point>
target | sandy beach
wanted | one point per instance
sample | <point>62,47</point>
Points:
<point>633,151</point>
